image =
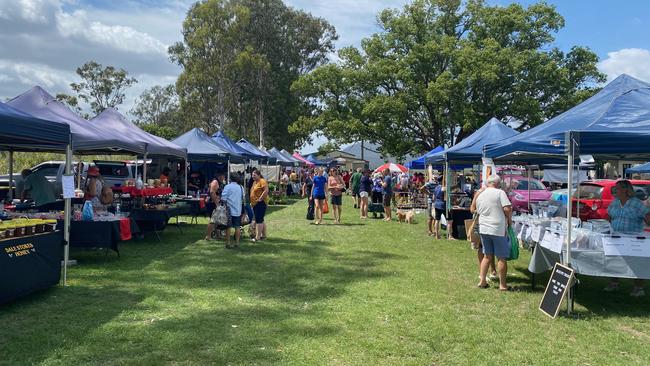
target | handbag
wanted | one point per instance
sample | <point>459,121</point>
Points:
<point>326,207</point>
<point>310,210</point>
<point>514,244</point>
<point>221,216</point>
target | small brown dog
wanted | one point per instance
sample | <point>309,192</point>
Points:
<point>401,216</point>
<point>410,217</point>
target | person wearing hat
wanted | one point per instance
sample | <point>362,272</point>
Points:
<point>93,187</point>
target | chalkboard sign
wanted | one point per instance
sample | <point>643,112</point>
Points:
<point>558,284</point>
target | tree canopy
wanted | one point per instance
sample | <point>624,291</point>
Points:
<point>239,60</point>
<point>439,69</point>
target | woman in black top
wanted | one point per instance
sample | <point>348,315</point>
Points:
<point>307,186</point>
<point>365,188</point>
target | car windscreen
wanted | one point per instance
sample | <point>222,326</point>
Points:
<point>522,185</point>
<point>642,191</point>
<point>589,192</point>
<point>113,170</point>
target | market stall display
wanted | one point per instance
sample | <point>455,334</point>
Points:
<point>102,234</point>
<point>154,218</point>
<point>29,263</point>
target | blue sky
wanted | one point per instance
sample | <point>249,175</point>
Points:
<point>43,41</point>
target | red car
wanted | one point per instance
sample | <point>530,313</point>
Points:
<point>593,197</point>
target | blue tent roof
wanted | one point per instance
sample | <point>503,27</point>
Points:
<point>267,158</point>
<point>237,153</point>
<point>86,137</point>
<point>291,157</point>
<point>614,121</point>
<point>154,145</point>
<point>470,150</point>
<point>281,159</point>
<point>420,163</point>
<point>20,131</point>
<point>317,162</point>
<point>200,147</point>
<point>641,168</point>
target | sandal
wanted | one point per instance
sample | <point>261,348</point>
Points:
<point>487,285</point>
<point>507,289</point>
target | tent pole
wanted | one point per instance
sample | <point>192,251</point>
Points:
<point>228,168</point>
<point>66,222</point>
<point>447,196</point>
<point>11,175</point>
<point>135,177</point>
<point>567,258</point>
<point>530,172</point>
<point>144,169</point>
<point>185,173</point>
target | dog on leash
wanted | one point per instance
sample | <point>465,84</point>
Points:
<point>405,216</point>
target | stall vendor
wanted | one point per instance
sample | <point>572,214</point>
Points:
<point>38,187</point>
<point>93,187</point>
<point>164,177</point>
<point>627,214</point>
<point>195,183</point>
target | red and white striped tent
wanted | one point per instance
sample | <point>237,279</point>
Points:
<point>394,168</point>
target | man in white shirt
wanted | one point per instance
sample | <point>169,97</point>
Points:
<point>233,195</point>
<point>495,215</point>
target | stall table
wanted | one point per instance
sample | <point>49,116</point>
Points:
<point>197,207</point>
<point>459,215</point>
<point>102,234</point>
<point>145,192</point>
<point>154,220</point>
<point>29,264</point>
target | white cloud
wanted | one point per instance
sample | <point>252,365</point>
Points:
<point>120,37</point>
<point>632,61</point>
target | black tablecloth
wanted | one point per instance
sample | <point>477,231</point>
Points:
<point>459,216</point>
<point>29,264</point>
<point>97,234</point>
<point>152,219</point>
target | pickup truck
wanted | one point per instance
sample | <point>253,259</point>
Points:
<point>113,172</point>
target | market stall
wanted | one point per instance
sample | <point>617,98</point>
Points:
<point>30,251</point>
<point>618,114</point>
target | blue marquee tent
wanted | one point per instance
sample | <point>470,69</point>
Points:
<point>639,169</point>
<point>420,163</point>
<point>613,123</point>
<point>296,161</point>
<point>312,158</point>
<point>22,132</point>
<point>266,157</point>
<point>86,138</point>
<point>111,119</point>
<point>281,159</point>
<point>200,147</point>
<point>237,153</point>
<point>470,150</point>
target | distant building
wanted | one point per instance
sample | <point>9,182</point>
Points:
<point>371,154</point>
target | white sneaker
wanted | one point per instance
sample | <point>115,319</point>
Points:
<point>493,277</point>
<point>638,292</point>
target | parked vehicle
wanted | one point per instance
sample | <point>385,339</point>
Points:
<point>113,172</point>
<point>594,197</point>
<point>516,186</point>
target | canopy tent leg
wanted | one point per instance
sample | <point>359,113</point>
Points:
<point>11,175</point>
<point>530,179</point>
<point>447,197</point>
<point>66,222</point>
<point>228,170</point>
<point>567,258</point>
<point>186,167</point>
<point>144,169</point>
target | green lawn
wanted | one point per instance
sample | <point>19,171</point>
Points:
<point>361,293</point>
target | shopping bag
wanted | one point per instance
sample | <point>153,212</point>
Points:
<point>326,208</point>
<point>472,233</point>
<point>514,244</point>
<point>310,210</point>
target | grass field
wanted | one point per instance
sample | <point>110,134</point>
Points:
<point>360,293</point>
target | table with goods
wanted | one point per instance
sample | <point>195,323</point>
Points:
<point>595,249</point>
<point>31,251</point>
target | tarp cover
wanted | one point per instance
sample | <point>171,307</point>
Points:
<point>252,149</point>
<point>113,120</point>
<point>614,121</point>
<point>237,153</point>
<point>420,163</point>
<point>470,149</point>
<point>20,131</point>
<point>86,138</point>
<point>200,147</point>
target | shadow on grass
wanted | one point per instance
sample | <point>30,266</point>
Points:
<point>34,327</point>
